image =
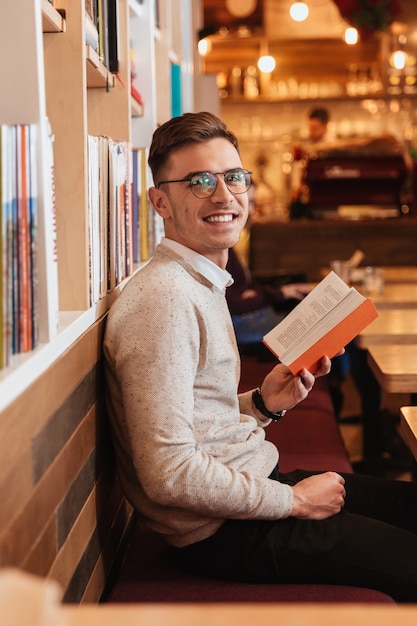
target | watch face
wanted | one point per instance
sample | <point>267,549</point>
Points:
<point>240,8</point>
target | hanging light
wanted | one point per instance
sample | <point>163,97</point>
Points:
<point>204,46</point>
<point>398,59</point>
<point>266,63</point>
<point>351,36</point>
<point>299,11</point>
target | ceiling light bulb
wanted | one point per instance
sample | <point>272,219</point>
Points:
<point>398,59</point>
<point>351,36</point>
<point>266,64</point>
<point>299,11</point>
<point>204,46</point>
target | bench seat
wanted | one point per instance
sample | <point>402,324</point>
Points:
<point>308,437</point>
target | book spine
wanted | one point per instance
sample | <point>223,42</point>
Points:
<point>24,339</point>
<point>47,249</point>
<point>135,205</point>
<point>34,236</point>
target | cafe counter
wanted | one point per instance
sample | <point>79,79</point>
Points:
<point>307,246</point>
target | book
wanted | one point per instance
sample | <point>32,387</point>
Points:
<point>112,35</point>
<point>47,244</point>
<point>325,321</point>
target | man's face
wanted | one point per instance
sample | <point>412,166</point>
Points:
<point>316,129</point>
<point>210,225</point>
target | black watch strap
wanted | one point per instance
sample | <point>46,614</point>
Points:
<point>260,405</point>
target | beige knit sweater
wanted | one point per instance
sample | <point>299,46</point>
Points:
<point>190,452</point>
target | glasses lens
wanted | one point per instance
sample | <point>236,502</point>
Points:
<point>203,184</point>
<point>238,180</point>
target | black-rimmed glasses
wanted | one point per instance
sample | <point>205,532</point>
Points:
<point>204,184</point>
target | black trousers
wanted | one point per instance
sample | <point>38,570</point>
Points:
<point>372,543</point>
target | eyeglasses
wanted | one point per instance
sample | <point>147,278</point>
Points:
<point>204,184</point>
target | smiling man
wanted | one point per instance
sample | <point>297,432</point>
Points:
<point>192,454</point>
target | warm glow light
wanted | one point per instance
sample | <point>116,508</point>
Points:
<point>351,36</point>
<point>299,11</point>
<point>266,64</point>
<point>204,46</point>
<point>398,59</point>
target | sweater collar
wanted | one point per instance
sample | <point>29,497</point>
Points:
<point>201,264</point>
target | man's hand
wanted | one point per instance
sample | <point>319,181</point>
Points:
<point>282,390</point>
<point>295,291</point>
<point>319,496</point>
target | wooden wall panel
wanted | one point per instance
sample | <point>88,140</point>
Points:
<point>63,515</point>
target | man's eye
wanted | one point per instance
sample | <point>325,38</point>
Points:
<point>234,177</point>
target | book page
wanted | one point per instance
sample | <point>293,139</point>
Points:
<point>320,310</point>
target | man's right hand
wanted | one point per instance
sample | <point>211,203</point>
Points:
<point>319,496</point>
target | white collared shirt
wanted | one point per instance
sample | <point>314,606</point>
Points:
<point>218,277</point>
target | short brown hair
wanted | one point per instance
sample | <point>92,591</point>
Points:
<point>182,130</point>
<point>319,114</point>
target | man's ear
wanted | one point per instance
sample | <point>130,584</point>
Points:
<point>160,202</point>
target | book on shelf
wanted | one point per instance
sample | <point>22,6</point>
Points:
<point>112,35</point>
<point>91,32</point>
<point>136,95</point>
<point>23,323</point>
<point>323,323</point>
<point>136,191</point>
<point>112,226</point>
<point>19,318</point>
<point>93,217</point>
<point>47,256</point>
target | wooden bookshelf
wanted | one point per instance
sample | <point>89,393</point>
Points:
<point>65,90</point>
<point>65,86</point>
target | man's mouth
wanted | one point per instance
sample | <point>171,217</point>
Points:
<point>213,219</point>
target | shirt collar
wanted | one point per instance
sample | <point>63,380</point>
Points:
<point>218,277</point>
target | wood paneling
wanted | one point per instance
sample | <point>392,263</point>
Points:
<point>63,515</point>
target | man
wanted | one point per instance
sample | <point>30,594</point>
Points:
<point>317,127</point>
<point>317,122</point>
<point>192,455</point>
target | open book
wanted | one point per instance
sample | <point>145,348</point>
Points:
<point>328,318</point>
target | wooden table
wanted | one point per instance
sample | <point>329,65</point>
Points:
<point>408,426</point>
<point>393,326</point>
<point>395,296</point>
<point>240,615</point>
<point>394,367</point>
<point>392,274</point>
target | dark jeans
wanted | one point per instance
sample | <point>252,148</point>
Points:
<point>372,543</point>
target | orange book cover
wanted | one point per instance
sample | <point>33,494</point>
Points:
<point>337,338</point>
<point>322,324</point>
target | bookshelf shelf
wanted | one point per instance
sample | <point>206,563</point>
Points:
<point>52,20</point>
<point>98,76</point>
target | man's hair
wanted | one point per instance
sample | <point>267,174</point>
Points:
<point>319,114</point>
<point>186,129</point>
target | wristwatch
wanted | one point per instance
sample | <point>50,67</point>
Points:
<point>260,405</point>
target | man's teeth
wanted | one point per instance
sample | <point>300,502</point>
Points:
<point>220,218</point>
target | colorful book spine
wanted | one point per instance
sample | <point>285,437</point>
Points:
<point>19,314</point>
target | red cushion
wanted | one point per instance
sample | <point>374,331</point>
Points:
<point>147,575</point>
